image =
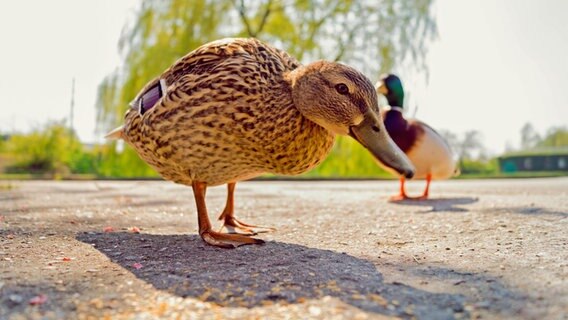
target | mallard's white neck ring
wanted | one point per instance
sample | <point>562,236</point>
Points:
<point>399,109</point>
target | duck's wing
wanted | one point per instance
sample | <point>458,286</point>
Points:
<point>206,58</point>
<point>222,59</point>
<point>434,132</point>
<point>199,62</point>
<point>212,56</point>
<point>203,76</point>
<point>432,154</point>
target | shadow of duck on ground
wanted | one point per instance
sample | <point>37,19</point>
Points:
<point>275,272</point>
<point>440,204</point>
<point>485,290</point>
<point>531,210</point>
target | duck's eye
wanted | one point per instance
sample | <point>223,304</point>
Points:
<point>342,88</point>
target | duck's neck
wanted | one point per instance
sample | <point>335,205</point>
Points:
<point>395,97</point>
<point>395,108</point>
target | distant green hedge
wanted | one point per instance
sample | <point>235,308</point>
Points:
<point>53,152</point>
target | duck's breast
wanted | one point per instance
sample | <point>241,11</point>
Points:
<point>430,154</point>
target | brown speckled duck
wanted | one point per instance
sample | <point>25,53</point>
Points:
<point>234,109</point>
<point>426,149</point>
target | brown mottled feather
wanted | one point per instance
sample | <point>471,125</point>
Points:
<point>228,115</point>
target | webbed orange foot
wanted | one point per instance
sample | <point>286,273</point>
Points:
<point>234,226</point>
<point>228,241</point>
<point>209,236</point>
<point>403,197</point>
<point>399,197</point>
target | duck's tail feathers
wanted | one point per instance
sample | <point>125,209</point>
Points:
<point>115,134</point>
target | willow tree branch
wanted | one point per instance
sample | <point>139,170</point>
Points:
<point>264,18</point>
<point>241,9</point>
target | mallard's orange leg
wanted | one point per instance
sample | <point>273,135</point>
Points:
<point>205,231</point>
<point>427,190</point>
<point>402,195</point>
<point>231,223</point>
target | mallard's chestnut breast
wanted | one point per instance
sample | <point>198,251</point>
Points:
<point>405,134</point>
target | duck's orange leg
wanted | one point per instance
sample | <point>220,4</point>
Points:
<point>230,223</point>
<point>427,190</point>
<point>207,234</point>
<point>402,195</point>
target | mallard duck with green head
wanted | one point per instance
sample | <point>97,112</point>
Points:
<point>234,109</point>
<point>426,149</point>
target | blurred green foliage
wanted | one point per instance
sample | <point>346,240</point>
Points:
<point>348,159</point>
<point>555,137</point>
<point>486,167</point>
<point>3,139</point>
<point>51,149</point>
<point>123,164</point>
<point>54,151</point>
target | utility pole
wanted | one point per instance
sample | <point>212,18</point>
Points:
<point>72,105</point>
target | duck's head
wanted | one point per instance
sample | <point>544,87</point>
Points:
<point>390,86</point>
<point>343,101</point>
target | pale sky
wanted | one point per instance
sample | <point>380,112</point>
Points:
<point>495,65</point>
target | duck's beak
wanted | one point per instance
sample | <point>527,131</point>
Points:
<point>382,88</point>
<point>371,133</point>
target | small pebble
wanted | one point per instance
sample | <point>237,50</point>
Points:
<point>314,311</point>
<point>39,299</point>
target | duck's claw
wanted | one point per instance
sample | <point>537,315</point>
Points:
<point>228,241</point>
<point>234,226</point>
